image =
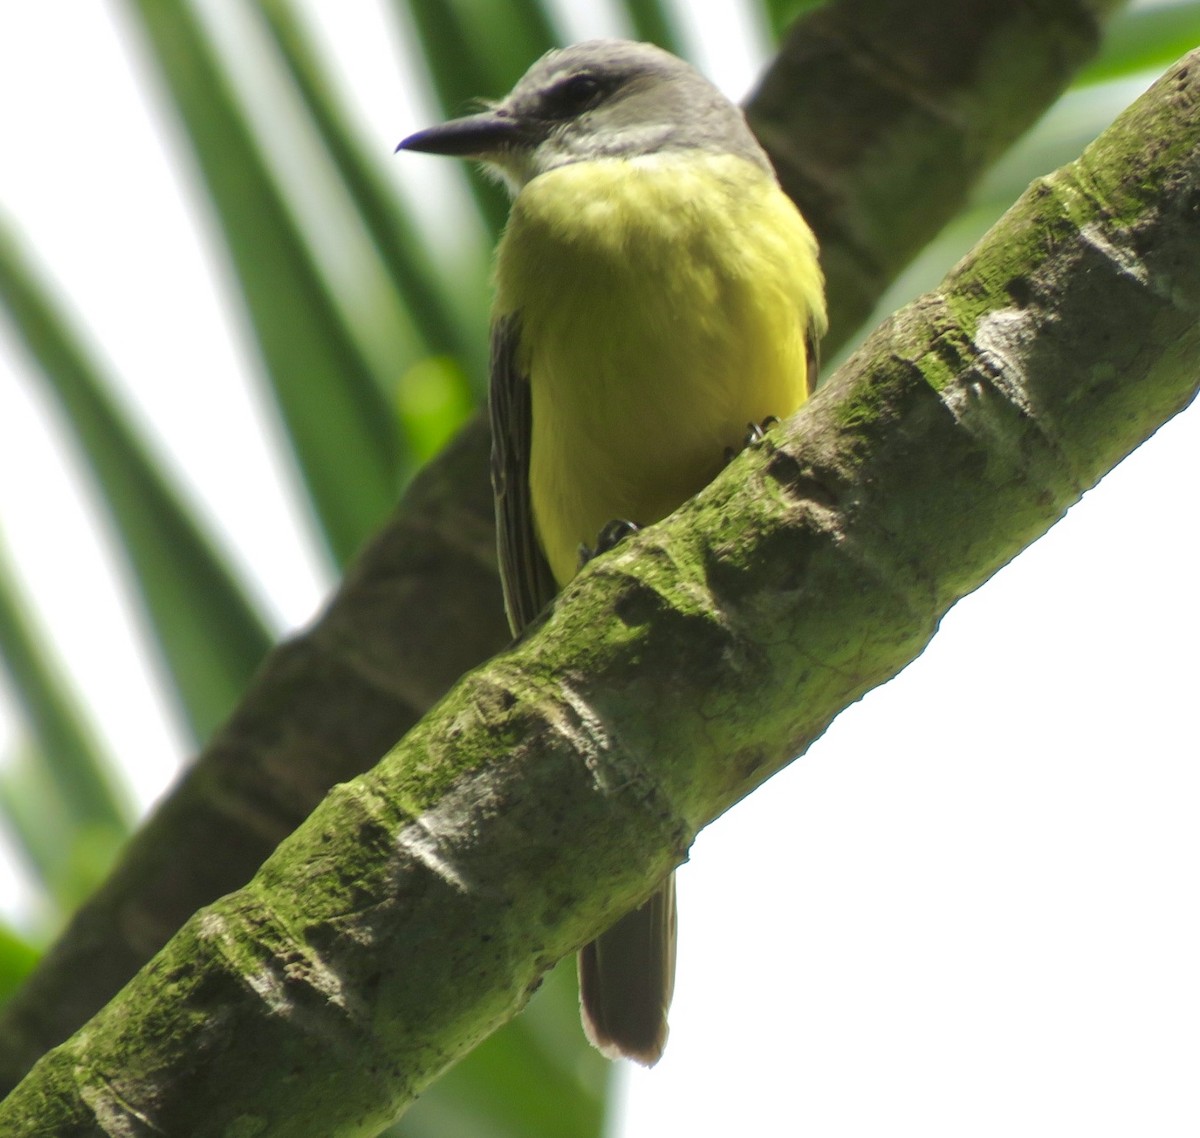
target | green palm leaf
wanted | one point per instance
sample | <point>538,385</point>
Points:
<point>1145,39</point>
<point>207,631</point>
<point>342,428</point>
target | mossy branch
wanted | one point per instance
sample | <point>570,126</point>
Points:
<point>419,905</point>
<point>879,129</point>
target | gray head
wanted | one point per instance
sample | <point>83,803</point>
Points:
<point>603,98</point>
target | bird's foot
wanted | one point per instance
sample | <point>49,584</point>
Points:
<point>609,537</point>
<point>755,433</point>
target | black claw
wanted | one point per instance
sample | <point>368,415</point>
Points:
<point>755,432</point>
<point>609,537</point>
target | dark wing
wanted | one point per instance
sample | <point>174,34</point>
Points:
<point>524,572</point>
<point>813,338</point>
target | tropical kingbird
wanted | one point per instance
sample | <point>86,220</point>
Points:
<point>656,294</point>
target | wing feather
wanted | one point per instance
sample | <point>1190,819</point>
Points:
<point>813,342</point>
<point>525,575</point>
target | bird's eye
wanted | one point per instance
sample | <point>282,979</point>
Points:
<point>575,94</point>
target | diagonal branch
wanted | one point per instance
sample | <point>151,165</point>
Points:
<point>421,605</point>
<point>418,906</point>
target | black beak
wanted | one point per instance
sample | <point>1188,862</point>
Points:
<point>475,136</point>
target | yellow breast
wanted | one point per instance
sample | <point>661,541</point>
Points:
<point>663,303</point>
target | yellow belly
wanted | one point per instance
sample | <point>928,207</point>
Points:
<point>663,303</point>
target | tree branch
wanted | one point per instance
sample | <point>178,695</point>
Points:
<point>417,907</point>
<point>880,118</point>
<point>421,604</point>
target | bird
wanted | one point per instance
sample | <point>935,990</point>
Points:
<point>657,297</point>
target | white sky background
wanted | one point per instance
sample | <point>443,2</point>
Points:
<point>969,910</point>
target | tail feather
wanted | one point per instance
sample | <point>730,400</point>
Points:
<point>626,977</point>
